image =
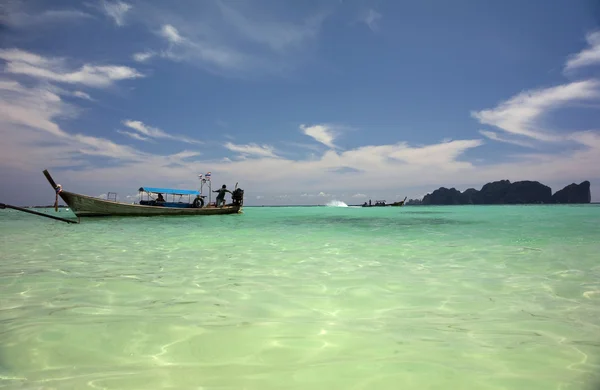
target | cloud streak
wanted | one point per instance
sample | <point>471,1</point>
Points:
<point>154,132</point>
<point>324,134</point>
<point>276,35</point>
<point>587,57</point>
<point>135,136</point>
<point>143,56</point>
<point>53,69</point>
<point>495,137</point>
<point>371,19</point>
<point>233,39</point>
<point>521,115</point>
<point>22,19</point>
<point>252,150</point>
<point>116,10</point>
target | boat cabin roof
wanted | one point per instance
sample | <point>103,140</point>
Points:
<point>156,190</point>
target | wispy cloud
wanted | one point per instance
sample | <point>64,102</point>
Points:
<point>53,69</point>
<point>371,19</point>
<point>252,150</point>
<point>32,138</point>
<point>234,39</point>
<point>135,136</point>
<point>313,147</point>
<point>587,57</point>
<point>116,10</point>
<point>433,155</point>
<point>82,95</point>
<point>23,19</point>
<point>154,132</point>
<point>521,114</point>
<point>495,137</point>
<point>143,56</point>
<point>277,35</point>
<point>66,92</point>
<point>171,34</point>
<point>324,134</point>
<point>183,49</point>
<point>28,115</point>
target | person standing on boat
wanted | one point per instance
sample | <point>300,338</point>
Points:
<point>221,197</point>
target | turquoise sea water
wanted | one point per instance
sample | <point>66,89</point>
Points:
<point>458,297</point>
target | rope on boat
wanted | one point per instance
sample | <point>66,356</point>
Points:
<point>7,206</point>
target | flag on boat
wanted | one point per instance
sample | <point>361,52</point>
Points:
<point>207,175</point>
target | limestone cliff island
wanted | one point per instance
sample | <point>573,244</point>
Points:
<point>505,192</point>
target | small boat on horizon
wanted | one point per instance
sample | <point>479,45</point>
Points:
<point>89,206</point>
<point>381,203</point>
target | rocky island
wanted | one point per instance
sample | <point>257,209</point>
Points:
<point>505,192</point>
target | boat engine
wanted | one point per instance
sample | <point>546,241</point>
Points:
<point>237,197</point>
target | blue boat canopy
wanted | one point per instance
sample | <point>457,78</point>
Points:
<point>169,191</point>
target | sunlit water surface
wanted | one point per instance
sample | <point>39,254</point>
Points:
<point>488,297</point>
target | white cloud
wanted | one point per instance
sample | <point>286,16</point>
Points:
<point>252,150</point>
<point>82,95</point>
<point>321,133</point>
<point>431,155</point>
<point>495,137</point>
<point>587,57</point>
<point>359,196</point>
<point>53,69</point>
<point>30,107</point>
<point>32,138</point>
<point>184,49</point>
<point>143,56</point>
<point>171,34</point>
<point>116,10</point>
<point>24,19</point>
<point>234,38</point>
<point>371,19</point>
<point>521,114</point>
<point>135,136</point>
<point>154,132</point>
<point>28,117</point>
<point>277,35</point>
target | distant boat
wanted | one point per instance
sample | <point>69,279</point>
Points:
<point>88,206</point>
<point>381,203</point>
<point>399,204</point>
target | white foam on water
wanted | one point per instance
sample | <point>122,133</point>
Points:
<point>336,203</point>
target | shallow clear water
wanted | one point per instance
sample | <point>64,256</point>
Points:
<point>467,297</point>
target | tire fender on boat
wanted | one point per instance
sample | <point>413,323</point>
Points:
<point>198,203</point>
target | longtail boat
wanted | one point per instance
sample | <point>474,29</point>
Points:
<point>381,203</point>
<point>399,204</point>
<point>88,206</point>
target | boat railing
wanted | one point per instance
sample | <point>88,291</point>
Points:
<point>112,196</point>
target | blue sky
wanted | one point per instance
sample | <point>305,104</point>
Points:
<point>299,102</point>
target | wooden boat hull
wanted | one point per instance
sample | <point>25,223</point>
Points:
<point>88,206</point>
